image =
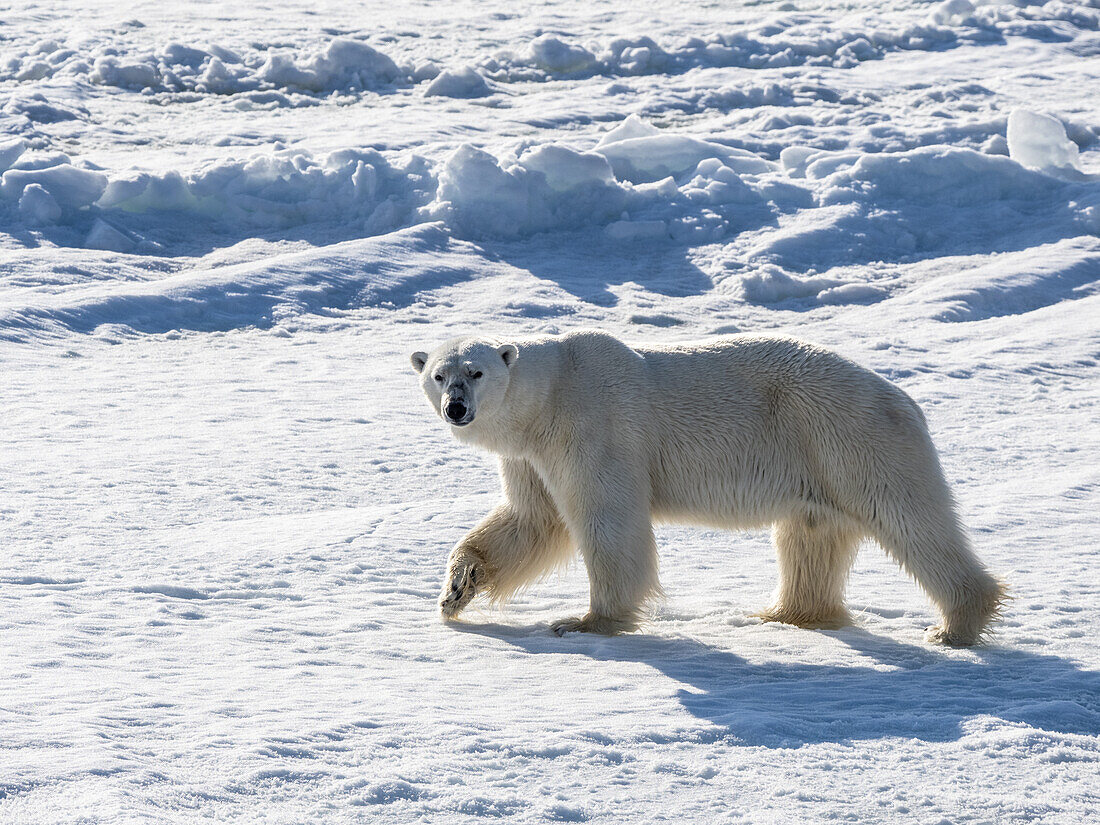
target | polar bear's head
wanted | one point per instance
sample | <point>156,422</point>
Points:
<point>466,378</point>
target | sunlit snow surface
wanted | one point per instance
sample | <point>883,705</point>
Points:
<point>225,508</point>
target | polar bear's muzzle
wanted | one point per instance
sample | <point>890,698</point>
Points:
<point>456,411</point>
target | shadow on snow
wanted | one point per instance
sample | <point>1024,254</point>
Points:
<point>915,693</point>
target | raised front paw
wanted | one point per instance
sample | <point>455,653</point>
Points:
<point>460,587</point>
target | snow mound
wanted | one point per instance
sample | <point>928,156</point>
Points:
<point>353,273</point>
<point>953,12</point>
<point>691,187</point>
<point>1039,141</point>
<point>770,285</point>
<point>285,188</point>
<point>555,56</point>
<point>930,200</point>
<point>342,65</point>
<point>1011,285</point>
<point>37,206</point>
<point>950,176</point>
<point>552,187</point>
<point>632,127</point>
<point>785,40</point>
<point>672,185</point>
<point>345,64</point>
<point>464,82</point>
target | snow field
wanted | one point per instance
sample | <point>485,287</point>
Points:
<point>225,508</point>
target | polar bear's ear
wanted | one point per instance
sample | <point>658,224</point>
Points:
<point>419,359</point>
<point>509,353</point>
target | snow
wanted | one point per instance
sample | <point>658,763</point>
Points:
<point>226,507</point>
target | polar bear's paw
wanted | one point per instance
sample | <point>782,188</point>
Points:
<point>590,623</point>
<point>937,635</point>
<point>461,587</point>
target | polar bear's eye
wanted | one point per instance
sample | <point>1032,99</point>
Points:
<point>476,374</point>
<point>438,378</point>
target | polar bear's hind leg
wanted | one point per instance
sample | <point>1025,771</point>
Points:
<point>815,554</point>
<point>917,525</point>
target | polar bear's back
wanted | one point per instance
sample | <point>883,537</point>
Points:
<point>746,425</point>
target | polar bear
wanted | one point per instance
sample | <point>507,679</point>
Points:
<point>597,439</point>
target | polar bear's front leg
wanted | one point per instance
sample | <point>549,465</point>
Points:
<point>522,539</point>
<point>612,525</point>
<point>464,573</point>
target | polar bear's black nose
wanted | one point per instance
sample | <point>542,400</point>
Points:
<point>455,410</point>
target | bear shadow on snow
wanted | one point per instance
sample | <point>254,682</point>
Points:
<point>925,695</point>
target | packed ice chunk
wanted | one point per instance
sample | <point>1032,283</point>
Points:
<point>795,159</point>
<point>952,12</point>
<point>10,151</point>
<point>464,82</point>
<point>1039,142</point>
<point>425,71</point>
<point>283,188</point>
<point>715,183</point>
<point>636,230</point>
<point>646,159</point>
<point>637,55</point>
<point>104,236</point>
<point>552,187</point>
<point>111,71</point>
<point>344,64</point>
<point>141,192</point>
<point>70,187</point>
<point>218,78</point>
<point>37,206</point>
<point>180,54</point>
<point>632,127</point>
<point>485,197</point>
<point>566,168</point>
<point>34,70</point>
<point>351,63</point>
<point>770,284</point>
<point>553,55</point>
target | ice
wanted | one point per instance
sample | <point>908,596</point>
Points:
<point>70,187</point>
<point>282,188</point>
<point>37,206</point>
<point>636,230</point>
<point>632,127</point>
<point>344,64</point>
<point>566,169</point>
<point>10,151</point>
<point>952,12</point>
<point>104,236</point>
<point>1039,141</point>
<point>556,56</point>
<point>562,189</point>
<point>111,71</point>
<point>650,158</point>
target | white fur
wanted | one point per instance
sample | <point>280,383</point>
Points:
<point>597,439</point>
